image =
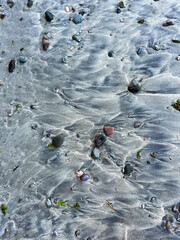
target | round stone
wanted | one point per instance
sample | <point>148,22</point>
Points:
<point>118,163</point>
<point>134,86</point>
<point>57,141</point>
<point>84,177</point>
<point>100,139</point>
<point>78,19</point>
<point>110,53</point>
<point>22,59</point>
<point>128,169</point>
<point>29,3</point>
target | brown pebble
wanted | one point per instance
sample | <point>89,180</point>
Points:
<point>168,224</point>
<point>73,9</point>
<point>45,43</point>
<point>1,83</point>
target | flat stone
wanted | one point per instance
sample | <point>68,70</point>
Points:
<point>139,51</point>
<point>45,42</point>
<point>134,86</point>
<point>48,203</point>
<point>57,141</point>
<point>78,19</point>
<point>96,153</point>
<point>137,124</point>
<point>100,139</point>
<point>168,23</point>
<point>112,155</point>
<point>128,169</point>
<point>118,163</point>
<point>108,130</point>
<point>49,16</point>
<point>11,65</point>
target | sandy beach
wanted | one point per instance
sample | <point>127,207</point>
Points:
<point>69,69</point>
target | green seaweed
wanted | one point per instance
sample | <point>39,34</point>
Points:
<point>176,105</point>
<point>3,209</point>
<point>76,206</point>
<point>50,145</point>
<point>21,49</point>
<point>0,151</point>
<point>153,12</point>
<point>17,106</point>
<point>18,238</point>
<point>4,96</point>
<point>139,154</point>
<point>141,21</point>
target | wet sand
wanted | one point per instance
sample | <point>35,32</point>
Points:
<point>45,97</point>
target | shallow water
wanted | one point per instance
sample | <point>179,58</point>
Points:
<point>80,97</point>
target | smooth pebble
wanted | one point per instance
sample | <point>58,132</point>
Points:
<point>78,19</point>
<point>108,130</point>
<point>49,16</point>
<point>134,86</point>
<point>57,141</point>
<point>84,177</point>
<point>100,139</point>
<point>11,65</point>
<point>96,153</point>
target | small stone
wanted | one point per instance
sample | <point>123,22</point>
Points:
<point>178,58</point>
<point>141,21</point>
<point>45,42</point>
<point>57,141</point>
<point>10,3</point>
<point>48,203</point>
<point>156,47</point>
<point>78,19</point>
<point>121,4</point>
<point>32,107</point>
<point>1,83</point>
<point>79,173</point>
<point>118,163</point>
<point>137,124</point>
<point>82,12</point>
<point>112,155</point>
<point>110,53</point>
<point>100,139</point>
<point>168,224</point>
<point>84,177</point>
<point>118,10</point>
<point>134,86</point>
<point>168,23</point>
<point>29,3</point>
<point>77,233</point>
<point>108,130</point>
<point>75,37</point>
<point>11,65</point>
<point>22,59</point>
<point>55,234</point>
<point>49,16</point>
<point>2,16</point>
<point>96,153</point>
<point>67,9</point>
<point>128,169</point>
<point>65,60</point>
<point>139,51</point>
<point>73,9</point>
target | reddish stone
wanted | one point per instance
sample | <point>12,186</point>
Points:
<point>108,130</point>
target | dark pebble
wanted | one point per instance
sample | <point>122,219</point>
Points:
<point>128,169</point>
<point>49,16</point>
<point>77,233</point>
<point>32,107</point>
<point>121,4</point>
<point>11,65</point>
<point>10,3</point>
<point>110,53</point>
<point>139,51</point>
<point>75,37</point>
<point>57,141</point>
<point>168,23</point>
<point>2,16</point>
<point>137,124</point>
<point>176,105</point>
<point>29,3</point>
<point>82,12</point>
<point>118,163</point>
<point>141,21</point>
<point>134,86</point>
<point>22,59</point>
<point>78,19</point>
<point>148,162</point>
<point>34,127</point>
<point>84,177</point>
<point>100,139</point>
<point>118,10</point>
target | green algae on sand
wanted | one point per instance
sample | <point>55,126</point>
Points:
<point>176,105</point>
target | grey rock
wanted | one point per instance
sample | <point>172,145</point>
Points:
<point>137,124</point>
<point>78,19</point>
<point>134,86</point>
<point>57,141</point>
